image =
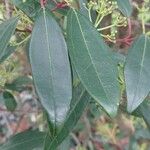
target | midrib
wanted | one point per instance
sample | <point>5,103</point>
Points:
<point>50,63</point>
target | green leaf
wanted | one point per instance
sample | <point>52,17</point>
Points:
<point>9,50</point>
<point>29,7</point>
<point>10,101</point>
<point>137,72</point>
<point>28,140</point>
<point>93,62</point>
<point>83,8</point>
<point>7,28</point>
<point>125,7</point>
<point>51,68</point>
<point>77,108</point>
<point>144,111</point>
<point>19,84</point>
<point>65,145</point>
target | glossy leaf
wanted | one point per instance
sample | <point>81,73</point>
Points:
<point>10,101</point>
<point>7,28</point>
<point>137,72</point>
<point>74,115</point>
<point>125,7</point>
<point>93,62</point>
<point>28,140</point>
<point>51,67</point>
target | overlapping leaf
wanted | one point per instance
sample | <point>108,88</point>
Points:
<point>93,61</point>
<point>27,140</point>
<point>50,67</point>
<point>80,101</point>
<point>137,72</point>
<point>7,28</point>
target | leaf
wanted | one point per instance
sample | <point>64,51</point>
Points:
<point>51,68</point>
<point>7,28</point>
<point>19,84</point>
<point>29,7</point>
<point>8,51</point>
<point>137,72</point>
<point>83,8</point>
<point>93,62</point>
<point>74,115</point>
<point>125,7</point>
<point>65,145</point>
<point>28,140</point>
<point>144,110</point>
<point>10,101</point>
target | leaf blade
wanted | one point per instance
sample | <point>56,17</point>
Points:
<point>27,140</point>
<point>125,7</point>
<point>51,68</point>
<point>74,115</point>
<point>7,28</point>
<point>90,61</point>
<point>137,73</point>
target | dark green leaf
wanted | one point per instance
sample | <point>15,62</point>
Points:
<point>51,68</point>
<point>29,7</point>
<point>10,101</point>
<point>137,72</point>
<point>65,145</point>
<point>143,111</point>
<point>93,62</point>
<point>75,113</point>
<point>125,7</point>
<point>8,51</point>
<point>7,28</point>
<point>19,84</point>
<point>28,140</point>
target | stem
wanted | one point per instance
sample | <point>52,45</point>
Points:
<point>17,44</point>
<point>89,12</point>
<point>107,27</point>
<point>143,24</point>
<point>98,20</point>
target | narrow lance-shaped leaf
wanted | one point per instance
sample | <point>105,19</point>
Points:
<point>50,67</point>
<point>7,28</point>
<point>93,62</point>
<point>8,51</point>
<point>125,7</point>
<point>27,140</point>
<point>77,108</point>
<point>137,72</point>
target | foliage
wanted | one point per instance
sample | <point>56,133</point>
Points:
<point>73,48</point>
